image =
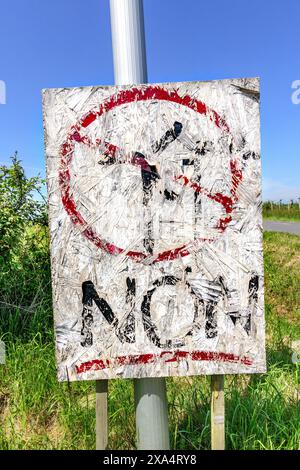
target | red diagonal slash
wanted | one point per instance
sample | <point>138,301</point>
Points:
<point>132,95</point>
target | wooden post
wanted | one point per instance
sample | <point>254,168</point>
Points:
<point>101,414</point>
<point>217,413</point>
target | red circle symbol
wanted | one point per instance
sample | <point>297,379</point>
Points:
<point>144,93</point>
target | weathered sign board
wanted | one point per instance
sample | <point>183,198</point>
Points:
<point>156,229</point>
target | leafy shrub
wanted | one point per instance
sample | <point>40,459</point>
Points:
<point>24,255</point>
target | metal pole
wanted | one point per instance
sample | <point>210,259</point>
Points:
<point>151,410</point>
<point>130,67</point>
<point>128,40</point>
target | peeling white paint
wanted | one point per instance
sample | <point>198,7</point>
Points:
<point>155,219</point>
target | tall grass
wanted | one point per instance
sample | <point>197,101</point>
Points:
<point>282,211</point>
<point>262,411</point>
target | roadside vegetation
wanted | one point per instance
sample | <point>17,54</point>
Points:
<point>286,212</point>
<point>37,412</point>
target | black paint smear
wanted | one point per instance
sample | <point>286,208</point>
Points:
<point>250,154</point>
<point>243,143</point>
<point>233,317</point>
<point>90,294</point>
<point>253,298</point>
<point>87,337</point>
<point>149,177</point>
<point>198,303</point>
<point>149,241</point>
<point>166,280</point>
<point>211,327</point>
<point>126,332</point>
<point>170,195</point>
<point>211,330</point>
<point>149,327</point>
<point>131,289</point>
<point>245,321</point>
<point>204,148</point>
<point>168,138</point>
<point>87,292</point>
<point>247,324</point>
<point>87,319</point>
<point>223,286</point>
<point>253,287</point>
<point>197,196</point>
<point>87,322</point>
<point>209,309</point>
<point>187,162</point>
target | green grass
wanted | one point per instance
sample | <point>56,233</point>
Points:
<point>262,411</point>
<point>281,212</point>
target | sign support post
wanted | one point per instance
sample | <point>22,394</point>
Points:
<point>130,67</point>
<point>217,413</point>
<point>101,414</point>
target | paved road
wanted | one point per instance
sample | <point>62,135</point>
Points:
<point>290,227</point>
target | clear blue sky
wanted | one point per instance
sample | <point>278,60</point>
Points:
<point>62,43</point>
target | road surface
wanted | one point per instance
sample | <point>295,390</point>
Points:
<point>274,226</point>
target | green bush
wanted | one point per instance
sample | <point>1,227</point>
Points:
<point>24,254</point>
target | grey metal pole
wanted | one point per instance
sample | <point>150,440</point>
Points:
<point>128,40</point>
<point>130,67</point>
<point>151,409</point>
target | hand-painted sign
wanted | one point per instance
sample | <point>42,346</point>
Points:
<point>156,230</point>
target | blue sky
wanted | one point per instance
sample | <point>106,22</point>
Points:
<point>62,43</point>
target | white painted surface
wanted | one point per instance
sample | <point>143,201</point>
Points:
<point>192,320</point>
